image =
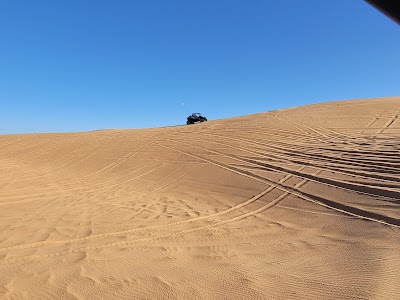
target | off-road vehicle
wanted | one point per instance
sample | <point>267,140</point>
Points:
<point>195,118</point>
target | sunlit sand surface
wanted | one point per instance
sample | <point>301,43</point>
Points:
<point>301,203</point>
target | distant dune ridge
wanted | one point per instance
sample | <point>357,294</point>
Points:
<point>300,203</point>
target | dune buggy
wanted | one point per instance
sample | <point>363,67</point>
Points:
<point>195,118</point>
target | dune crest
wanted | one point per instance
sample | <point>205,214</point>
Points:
<point>300,203</point>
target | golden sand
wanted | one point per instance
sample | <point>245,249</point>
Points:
<point>301,203</point>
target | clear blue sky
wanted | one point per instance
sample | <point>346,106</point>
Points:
<point>83,65</point>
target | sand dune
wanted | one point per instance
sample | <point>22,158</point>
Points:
<point>301,203</point>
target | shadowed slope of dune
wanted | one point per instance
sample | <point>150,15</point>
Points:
<point>301,203</point>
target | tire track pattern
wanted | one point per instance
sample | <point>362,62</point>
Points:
<point>284,158</point>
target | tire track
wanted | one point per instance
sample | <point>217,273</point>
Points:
<point>63,194</point>
<point>387,124</point>
<point>107,168</point>
<point>134,230</point>
<point>362,214</point>
<point>355,187</point>
<point>373,121</point>
<point>304,161</point>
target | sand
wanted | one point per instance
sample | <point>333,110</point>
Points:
<point>300,203</point>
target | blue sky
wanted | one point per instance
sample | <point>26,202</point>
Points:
<point>83,65</point>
